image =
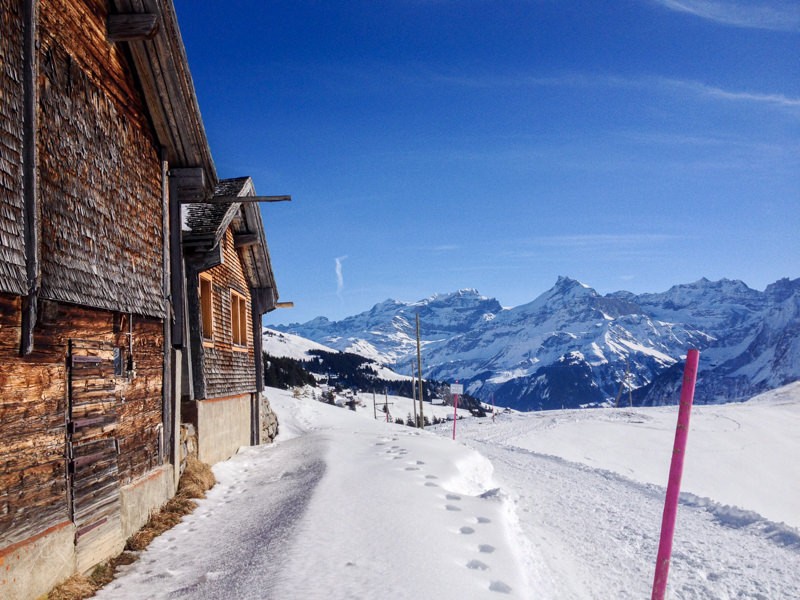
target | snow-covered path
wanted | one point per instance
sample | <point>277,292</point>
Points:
<point>232,546</point>
<point>344,506</point>
<point>341,507</point>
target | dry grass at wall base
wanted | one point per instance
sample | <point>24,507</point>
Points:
<point>197,478</point>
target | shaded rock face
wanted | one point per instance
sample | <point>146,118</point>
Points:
<point>574,347</point>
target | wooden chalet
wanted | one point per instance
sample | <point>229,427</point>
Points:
<point>111,222</point>
<point>230,285</point>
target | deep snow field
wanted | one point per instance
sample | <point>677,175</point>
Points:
<point>562,504</point>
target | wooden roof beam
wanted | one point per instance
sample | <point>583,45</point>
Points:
<point>239,199</point>
<point>244,240</point>
<point>131,27</point>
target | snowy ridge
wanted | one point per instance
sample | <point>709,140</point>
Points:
<point>574,347</point>
<point>287,345</point>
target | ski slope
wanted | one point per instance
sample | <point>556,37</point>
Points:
<point>543,505</point>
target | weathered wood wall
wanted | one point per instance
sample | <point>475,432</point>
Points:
<point>33,409</point>
<point>100,171</point>
<point>229,370</point>
<point>12,243</point>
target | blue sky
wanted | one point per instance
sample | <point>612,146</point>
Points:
<point>433,145</point>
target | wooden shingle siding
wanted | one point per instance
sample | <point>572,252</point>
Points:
<point>33,409</point>
<point>228,371</point>
<point>100,171</point>
<point>12,243</point>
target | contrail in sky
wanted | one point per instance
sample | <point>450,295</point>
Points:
<point>339,275</point>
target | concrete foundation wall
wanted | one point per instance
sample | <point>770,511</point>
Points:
<point>223,426</point>
<point>140,498</point>
<point>33,567</point>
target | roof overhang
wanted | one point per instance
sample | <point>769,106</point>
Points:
<point>159,58</point>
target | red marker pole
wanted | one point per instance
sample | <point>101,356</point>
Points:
<point>675,473</point>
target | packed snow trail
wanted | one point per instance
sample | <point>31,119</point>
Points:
<point>349,508</point>
<point>230,545</point>
<point>597,532</point>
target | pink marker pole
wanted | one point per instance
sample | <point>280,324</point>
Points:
<point>675,473</point>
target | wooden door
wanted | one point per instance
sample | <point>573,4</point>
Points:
<point>92,451</point>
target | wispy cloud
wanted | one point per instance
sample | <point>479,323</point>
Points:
<point>612,246</point>
<point>651,83</point>
<point>602,239</point>
<point>778,100</point>
<point>776,15</point>
<point>339,274</point>
<point>440,248</point>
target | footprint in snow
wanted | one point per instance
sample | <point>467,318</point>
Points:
<point>431,484</point>
<point>466,530</point>
<point>483,520</point>
<point>477,565</point>
<point>412,468</point>
<point>499,586</point>
<point>485,548</point>
<point>453,497</point>
<point>452,508</point>
<point>431,477</point>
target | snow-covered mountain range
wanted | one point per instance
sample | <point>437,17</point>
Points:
<point>572,346</point>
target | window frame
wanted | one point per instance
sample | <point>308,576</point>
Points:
<point>206,302</point>
<point>239,337</point>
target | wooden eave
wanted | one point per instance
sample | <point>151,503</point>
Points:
<point>251,244</point>
<point>169,93</point>
<point>256,256</point>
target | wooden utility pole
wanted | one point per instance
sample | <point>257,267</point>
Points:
<point>419,373</point>
<point>374,408</point>
<point>622,383</point>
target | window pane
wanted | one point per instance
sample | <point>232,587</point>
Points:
<point>207,319</point>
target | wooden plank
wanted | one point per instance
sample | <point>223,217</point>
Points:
<point>97,505</point>
<point>78,360</point>
<point>92,488</point>
<point>81,344</point>
<point>243,240</point>
<point>77,425</point>
<point>236,199</point>
<point>93,460</point>
<point>102,370</point>
<point>89,409</point>
<point>89,433</point>
<point>83,531</point>
<point>188,185</point>
<point>131,27</point>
